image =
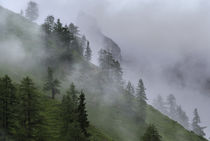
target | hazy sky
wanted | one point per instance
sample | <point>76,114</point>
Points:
<point>167,42</point>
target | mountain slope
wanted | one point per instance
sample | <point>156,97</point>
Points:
<point>109,119</point>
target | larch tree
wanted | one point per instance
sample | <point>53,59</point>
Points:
<point>32,11</point>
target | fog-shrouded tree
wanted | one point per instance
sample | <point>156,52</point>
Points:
<point>49,24</point>
<point>151,134</point>
<point>88,52</point>
<point>141,101</point>
<point>8,107</point>
<point>129,91</point>
<point>51,83</point>
<point>160,104</point>
<point>196,128</point>
<point>171,101</point>
<point>32,11</point>
<point>129,99</point>
<point>182,117</point>
<point>110,66</point>
<point>29,118</point>
<point>83,116</point>
<point>70,129</point>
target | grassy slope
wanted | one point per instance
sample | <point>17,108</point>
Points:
<point>170,130</point>
<point>109,120</point>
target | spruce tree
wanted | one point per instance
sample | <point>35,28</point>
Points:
<point>160,104</point>
<point>141,101</point>
<point>32,11</point>
<point>70,129</point>
<point>52,84</point>
<point>83,116</point>
<point>195,124</point>
<point>182,117</point>
<point>171,101</point>
<point>48,25</point>
<point>88,52</point>
<point>151,134</point>
<point>30,120</point>
<point>8,107</point>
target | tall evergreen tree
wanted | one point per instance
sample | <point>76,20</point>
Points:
<point>160,104</point>
<point>52,84</point>
<point>151,134</point>
<point>30,120</point>
<point>49,24</point>
<point>141,101</point>
<point>32,11</point>
<point>171,101</point>
<point>88,52</point>
<point>195,124</point>
<point>83,116</point>
<point>182,117</point>
<point>8,104</point>
<point>69,115</point>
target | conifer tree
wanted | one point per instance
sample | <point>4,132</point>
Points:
<point>83,116</point>
<point>8,106</point>
<point>141,101</point>
<point>30,120</point>
<point>49,24</point>
<point>182,117</point>
<point>171,101</point>
<point>52,84</point>
<point>195,124</point>
<point>69,115</point>
<point>88,52</point>
<point>160,104</point>
<point>151,134</point>
<point>32,11</point>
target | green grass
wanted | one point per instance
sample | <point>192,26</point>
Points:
<point>170,130</point>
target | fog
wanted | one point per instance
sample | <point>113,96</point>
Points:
<point>166,42</point>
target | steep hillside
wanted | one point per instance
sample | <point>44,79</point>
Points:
<point>107,111</point>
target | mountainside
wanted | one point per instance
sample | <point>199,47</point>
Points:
<point>22,53</point>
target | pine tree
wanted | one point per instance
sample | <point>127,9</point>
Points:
<point>195,124</point>
<point>151,134</point>
<point>30,120</point>
<point>141,101</point>
<point>8,104</point>
<point>88,52</point>
<point>83,116</point>
<point>52,84</point>
<point>32,11</point>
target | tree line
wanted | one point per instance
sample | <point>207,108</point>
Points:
<point>175,112</point>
